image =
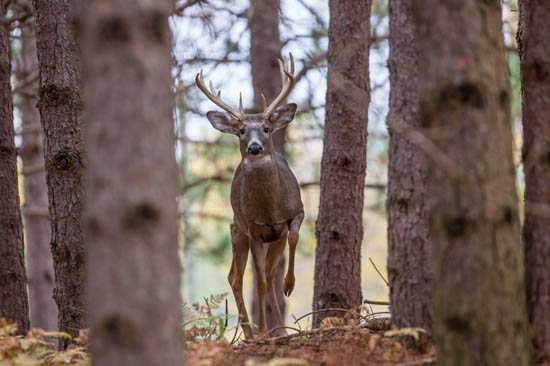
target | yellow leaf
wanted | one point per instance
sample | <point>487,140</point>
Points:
<point>287,362</point>
<point>373,341</point>
<point>393,353</point>
<point>413,332</point>
<point>57,335</point>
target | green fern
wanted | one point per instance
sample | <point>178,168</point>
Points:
<point>200,321</point>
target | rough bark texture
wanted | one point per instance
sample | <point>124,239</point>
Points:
<point>13,281</point>
<point>409,253</point>
<point>43,309</point>
<point>479,299</point>
<point>131,219</point>
<point>534,50</point>
<point>339,228</point>
<point>60,114</point>
<point>265,49</point>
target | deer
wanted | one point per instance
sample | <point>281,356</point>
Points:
<point>265,197</point>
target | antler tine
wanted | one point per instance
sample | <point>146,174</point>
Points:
<point>264,103</point>
<point>215,97</point>
<point>241,109</point>
<point>287,76</point>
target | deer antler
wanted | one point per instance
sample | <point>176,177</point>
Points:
<point>215,97</point>
<point>287,76</point>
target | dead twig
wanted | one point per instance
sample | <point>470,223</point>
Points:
<point>320,311</point>
<point>379,273</point>
<point>280,327</point>
<point>236,331</point>
<point>180,8</point>
<point>374,302</point>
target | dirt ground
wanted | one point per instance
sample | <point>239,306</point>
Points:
<point>335,346</point>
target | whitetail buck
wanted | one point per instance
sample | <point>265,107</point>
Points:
<point>265,196</point>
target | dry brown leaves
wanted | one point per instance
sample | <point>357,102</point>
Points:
<point>353,346</point>
<point>33,349</point>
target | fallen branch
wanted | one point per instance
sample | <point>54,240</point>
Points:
<point>306,333</point>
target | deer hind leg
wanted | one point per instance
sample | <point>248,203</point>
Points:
<point>293,236</point>
<point>258,257</point>
<point>240,245</point>
<point>274,255</point>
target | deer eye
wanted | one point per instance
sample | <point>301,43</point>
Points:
<point>266,129</point>
<point>242,131</point>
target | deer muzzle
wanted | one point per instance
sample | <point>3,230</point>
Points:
<point>255,148</point>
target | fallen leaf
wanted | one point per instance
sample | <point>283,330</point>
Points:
<point>287,362</point>
<point>373,341</point>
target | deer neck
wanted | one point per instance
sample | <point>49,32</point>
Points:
<point>263,189</point>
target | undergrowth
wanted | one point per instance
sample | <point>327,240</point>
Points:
<point>34,349</point>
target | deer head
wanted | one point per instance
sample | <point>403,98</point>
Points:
<point>253,130</point>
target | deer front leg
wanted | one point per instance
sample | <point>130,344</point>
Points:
<point>274,255</point>
<point>240,245</point>
<point>258,257</point>
<point>293,236</point>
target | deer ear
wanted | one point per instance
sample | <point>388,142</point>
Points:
<point>283,115</point>
<point>221,122</point>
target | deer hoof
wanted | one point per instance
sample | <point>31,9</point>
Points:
<point>288,285</point>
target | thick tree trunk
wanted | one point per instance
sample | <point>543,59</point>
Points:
<point>479,299</point>
<point>265,49</point>
<point>534,51</point>
<point>409,253</point>
<point>131,219</point>
<point>43,309</point>
<point>60,113</point>
<point>13,281</point>
<point>339,228</point>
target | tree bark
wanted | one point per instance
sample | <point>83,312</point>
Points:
<point>479,300</point>
<point>409,253</point>
<point>13,281</point>
<point>43,310</point>
<point>339,227</point>
<point>60,113</point>
<point>131,217</point>
<point>265,49</point>
<point>534,51</point>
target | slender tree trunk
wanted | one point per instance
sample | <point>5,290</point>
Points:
<point>479,299</point>
<point>13,281</point>
<point>60,113</point>
<point>43,309</point>
<point>409,252</point>
<point>131,219</point>
<point>534,51</point>
<point>265,49</point>
<point>339,228</point>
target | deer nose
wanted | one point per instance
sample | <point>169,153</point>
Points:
<point>255,149</point>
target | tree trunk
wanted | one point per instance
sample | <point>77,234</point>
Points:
<point>534,51</point>
<point>339,228</point>
<point>479,301</point>
<point>13,281</point>
<point>131,217</point>
<point>60,113</point>
<point>409,253</point>
<point>43,309</point>
<point>265,49</point>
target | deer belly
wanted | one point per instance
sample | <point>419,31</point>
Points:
<point>270,233</point>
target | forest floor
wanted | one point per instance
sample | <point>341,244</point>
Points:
<point>332,345</point>
<point>336,346</point>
